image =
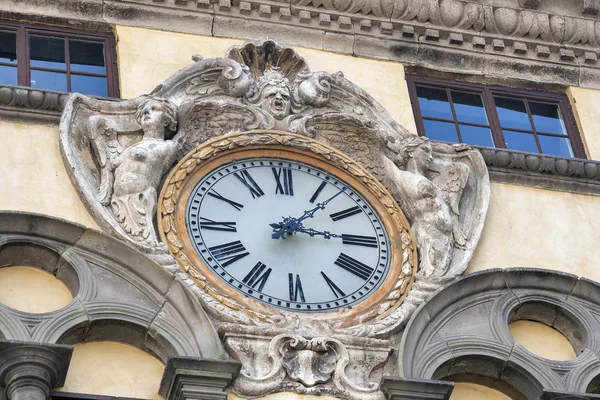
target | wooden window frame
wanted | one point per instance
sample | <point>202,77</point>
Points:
<point>23,31</point>
<point>487,94</point>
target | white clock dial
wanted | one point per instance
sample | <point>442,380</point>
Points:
<point>240,219</point>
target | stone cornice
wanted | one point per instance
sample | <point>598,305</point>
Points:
<point>507,166</point>
<point>532,40</point>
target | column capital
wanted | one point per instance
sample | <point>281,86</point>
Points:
<point>191,378</point>
<point>29,371</point>
<point>396,388</point>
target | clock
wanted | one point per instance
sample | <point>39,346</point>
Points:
<point>277,222</point>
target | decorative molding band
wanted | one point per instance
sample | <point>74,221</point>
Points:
<point>533,43</point>
<point>548,395</point>
<point>543,171</point>
<point>506,166</point>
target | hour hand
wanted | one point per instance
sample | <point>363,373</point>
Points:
<point>325,234</point>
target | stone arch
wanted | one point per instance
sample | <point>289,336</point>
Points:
<point>119,294</point>
<point>462,332</point>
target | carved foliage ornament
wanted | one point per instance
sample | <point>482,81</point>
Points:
<point>119,153</point>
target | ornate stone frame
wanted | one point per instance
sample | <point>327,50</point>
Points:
<point>212,154</point>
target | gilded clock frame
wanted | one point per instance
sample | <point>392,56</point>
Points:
<point>277,144</point>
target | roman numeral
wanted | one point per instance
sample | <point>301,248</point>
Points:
<point>337,292</point>
<point>216,195</point>
<point>345,213</point>
<point>228,253</point>
<point>287,186</point>
<point>206,223</point>
<point>249,182</point>
<point>357,240</point>
<point>296,289</point>
<point>354,266</point>
<point>256,276</point>
<point>318,192</point>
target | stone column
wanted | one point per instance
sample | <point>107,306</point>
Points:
<point>396,388</point>
<point>29,371</point>
<point>191,378</point>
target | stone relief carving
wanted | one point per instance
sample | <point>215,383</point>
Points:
<point>118,152</point>
<point>292,362</point>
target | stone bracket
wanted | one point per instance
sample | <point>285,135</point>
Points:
<point>396,388</point>
<point>187,378</point>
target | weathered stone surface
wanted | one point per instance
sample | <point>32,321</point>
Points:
<point>188,378</point>
<point>406,389</point>
<point>29,371</point>
<point>463,330</point>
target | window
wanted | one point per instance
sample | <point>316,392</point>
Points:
<point>58,59</point>
<point>535,122</point>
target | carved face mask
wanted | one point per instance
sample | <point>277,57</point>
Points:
<point>153,120</point>
<point>276,99</point>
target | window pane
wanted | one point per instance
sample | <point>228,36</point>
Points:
<point>476,135</point>
<point>89,85</point>
<point>8,75</point>
<point>556,146</point>
<point>512,113</point>
<point>49,80</point>
<point>520,141</point>
<point>47,52</point>
<point>547,118</point>
<point>469,107</point>
<point>87,56</point>
<point>434,102</point>
<point>8,47</point>
<point>436,130</point>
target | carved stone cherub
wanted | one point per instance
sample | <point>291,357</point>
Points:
<point>130,176</point>
<point>432,205</point>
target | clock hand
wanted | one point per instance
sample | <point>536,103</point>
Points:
<point>320,206</point>
<point>325,234</point>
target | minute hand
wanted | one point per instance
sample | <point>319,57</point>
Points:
<point>319,206</point>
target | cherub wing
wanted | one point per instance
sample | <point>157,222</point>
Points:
<point>452,181</point>
<point>203,120</point>
<point>356,137</point>
<point>102,134</point>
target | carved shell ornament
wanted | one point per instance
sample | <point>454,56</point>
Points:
<point>130,161</point>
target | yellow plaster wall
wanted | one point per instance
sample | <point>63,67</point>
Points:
<point>470,391</point>
<point>32,290</point>
<point>585,107</point>
<point>32,175</point>
<point>140,70</point>
<point>113,369</point>
<point>529,227</point>
<point>542,340</point>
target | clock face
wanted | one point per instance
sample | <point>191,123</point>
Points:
<point>288,234</point>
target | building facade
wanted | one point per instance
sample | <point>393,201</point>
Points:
<point>437,156</point>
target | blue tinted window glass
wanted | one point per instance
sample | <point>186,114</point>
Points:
<point>469,107</point>
<point>86,56</point>
<point>512,113</point>
<point>8,47</point>
<point>547,117</point>
<point>47,52</point>
<point>476,135</point>
<point>434,102</point>
<point>8,75</point>
<point>444,131</point>
<point>49,80</point>
<point>556,146</point>
<point>89,85</point>
<point>520,141</point>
